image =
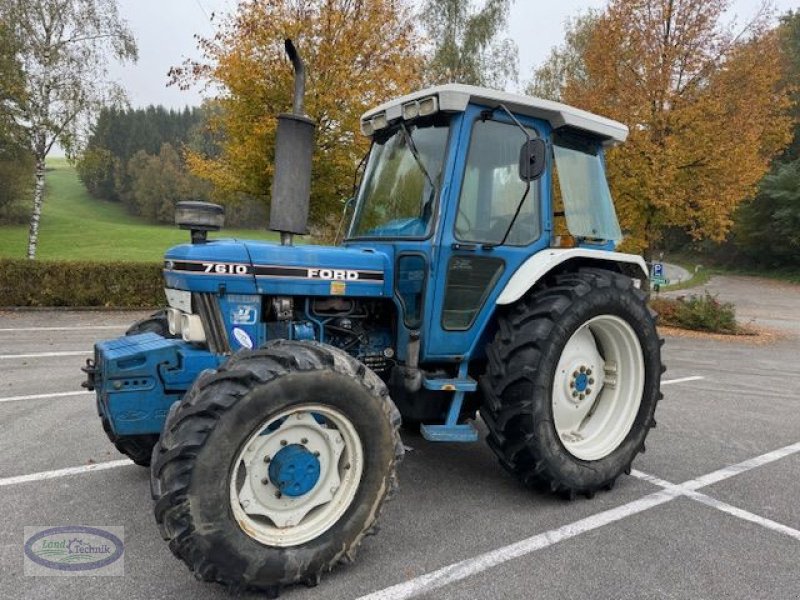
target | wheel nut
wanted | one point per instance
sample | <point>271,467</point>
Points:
<point>591,380</point>
<point>588,391</point>
<point>278,494</point>
<point>575,374</point>
<point>316,453</point>
<point>588,371</point>
<point>572,384</point>
<point>283,442</point>
<point>583,369</point>
<point>582,396</point>
<point>574,394</point>
<point>304,441</point>
<point>265,481</point>
<point>267,459</point>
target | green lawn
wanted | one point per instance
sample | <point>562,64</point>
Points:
<point>75,226</point>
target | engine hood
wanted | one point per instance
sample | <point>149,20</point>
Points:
<point>247,267</point>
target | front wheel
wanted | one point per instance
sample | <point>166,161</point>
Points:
<point>572,382</point>
<point>273,468</point>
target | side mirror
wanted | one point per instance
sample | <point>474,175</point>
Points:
<point>532,160</point>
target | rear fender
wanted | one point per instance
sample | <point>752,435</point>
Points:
<point>561,259</point>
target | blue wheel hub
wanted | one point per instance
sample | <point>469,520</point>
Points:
<point>581,381</point>
<point>294,470</point>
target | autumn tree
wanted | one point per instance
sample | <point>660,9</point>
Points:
<point>63,47</point>
<point>468,43</point>
<point>358,53</point>
<point>704,104</point>
<point>767,229</point>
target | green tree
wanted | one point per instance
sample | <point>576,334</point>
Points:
<point>468,44</point>
<point>16,163</point>
<point>768,228</point>
<point>790,41</point>
<point>117,135</point>
<point>159,181</point>
<point>63,47</point>
<point>565,62</point>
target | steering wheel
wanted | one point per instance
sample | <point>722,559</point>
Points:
<point>460,232</point>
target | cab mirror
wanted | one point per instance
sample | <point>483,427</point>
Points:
<point>532,160</point>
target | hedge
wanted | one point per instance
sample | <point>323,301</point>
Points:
<point>80,284</point>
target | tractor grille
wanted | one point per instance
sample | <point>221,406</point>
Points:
<point>207,307</point>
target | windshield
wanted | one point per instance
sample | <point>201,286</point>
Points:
<point>587,200</point>
<point>396,197</point>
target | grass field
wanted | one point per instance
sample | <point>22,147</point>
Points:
<point>75,226</point>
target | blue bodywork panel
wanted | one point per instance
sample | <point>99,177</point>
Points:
<point>246,267</point>
<point>139,377</point>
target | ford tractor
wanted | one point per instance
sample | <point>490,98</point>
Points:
<point>476,293</point>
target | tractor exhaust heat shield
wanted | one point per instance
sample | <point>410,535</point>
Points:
<point>294,147</point>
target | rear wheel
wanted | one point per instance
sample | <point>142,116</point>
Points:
<point>274,468</point>
<point>572,382</point>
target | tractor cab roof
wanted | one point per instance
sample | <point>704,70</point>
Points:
<point>454,97</point>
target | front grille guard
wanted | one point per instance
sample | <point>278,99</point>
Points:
<point>207,307</point>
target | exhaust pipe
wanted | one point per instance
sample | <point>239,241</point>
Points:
<point>294,147</point>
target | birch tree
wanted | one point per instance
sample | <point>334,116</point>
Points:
<point>468,46</point>
<point>64,48</point>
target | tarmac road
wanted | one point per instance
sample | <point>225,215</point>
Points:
<point>460,528</point>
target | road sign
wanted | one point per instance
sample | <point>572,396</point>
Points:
<point>658,271</point>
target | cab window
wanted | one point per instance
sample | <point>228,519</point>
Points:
<point>492,188</point>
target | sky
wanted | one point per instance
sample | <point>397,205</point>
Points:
<point>165,30</point>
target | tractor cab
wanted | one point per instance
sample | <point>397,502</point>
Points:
<point>458,191</point>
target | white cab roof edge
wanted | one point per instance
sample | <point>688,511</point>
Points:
<point>541,263</point>
<point>454,97</point>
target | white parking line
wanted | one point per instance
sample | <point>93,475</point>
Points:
<point>69,328</point>
<point>44,396</point>
<point>42,475</point>
<point>682,379</point>
<point>744,514</point>
<point>47,354</point>
<point>472,566</point>
<point>466,568</point>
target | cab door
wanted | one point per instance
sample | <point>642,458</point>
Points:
<point>474,260</point>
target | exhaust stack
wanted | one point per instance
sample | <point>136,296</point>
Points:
<point>294,146</point>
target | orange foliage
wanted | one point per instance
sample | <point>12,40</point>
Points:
<point>705,109</point>
<point>358,53</point>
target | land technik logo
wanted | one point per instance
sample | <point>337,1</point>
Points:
<point>74,550</point>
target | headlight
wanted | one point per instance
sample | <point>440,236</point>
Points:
<point>420,108</point>
<point>192,329</point>
<point>174,320</point>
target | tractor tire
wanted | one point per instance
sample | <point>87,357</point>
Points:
<point>549,423</point>
<point>139,448</point>
<point>155,323</point>
<point>281,401</point>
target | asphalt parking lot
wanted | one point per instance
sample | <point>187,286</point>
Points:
<point>710,511</point>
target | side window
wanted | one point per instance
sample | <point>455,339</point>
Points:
<point>492,188</point>
<point>469,281</point>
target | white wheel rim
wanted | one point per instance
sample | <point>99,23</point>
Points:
<point>275,518</point>
<point>597,388</point>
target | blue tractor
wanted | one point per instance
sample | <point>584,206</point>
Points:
<point>267,398</point>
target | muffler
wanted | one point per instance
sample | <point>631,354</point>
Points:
<point>294,147</point>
